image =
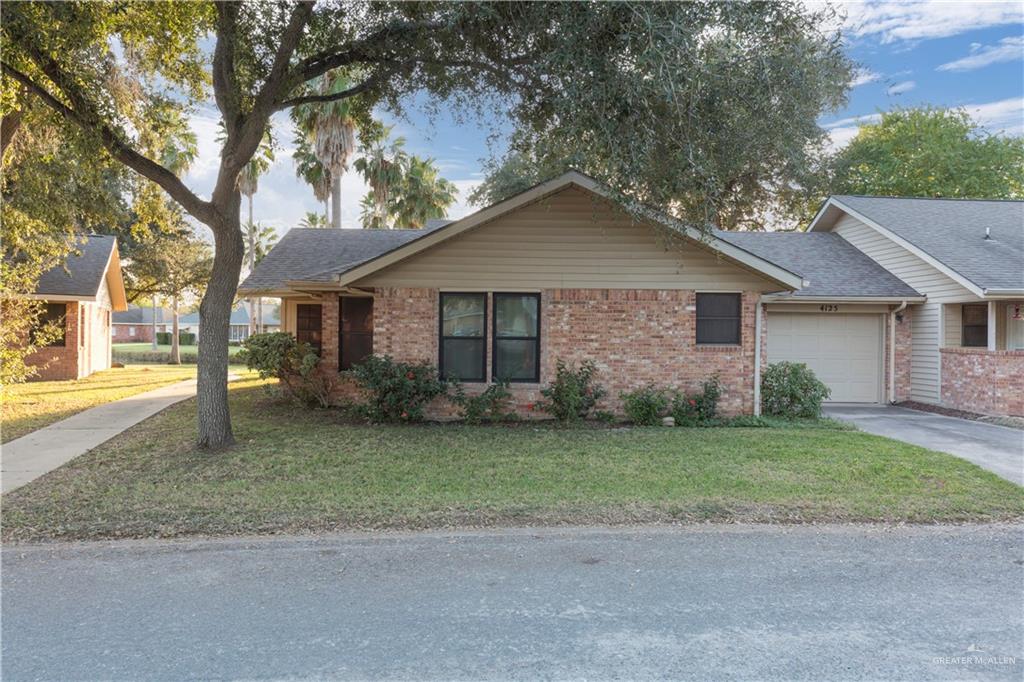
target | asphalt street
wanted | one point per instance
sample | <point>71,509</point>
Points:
<point>703,602</point>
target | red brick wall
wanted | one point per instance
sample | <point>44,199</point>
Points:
<point>143,332</point>
<point>635,337</point>
<point>58,363</point>
<point>979,380</point>
<point>903,351</point>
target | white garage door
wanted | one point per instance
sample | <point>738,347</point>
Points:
<point>845,351</point>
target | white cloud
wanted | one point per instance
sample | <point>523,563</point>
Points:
<point>863,77</point>
<point>853,120</point>
<point>901,88</point>
<point>1007,50</point>
<point>1004,116</point>
<point>892,20</point>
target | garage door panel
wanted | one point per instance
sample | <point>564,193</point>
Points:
<point>843,350</point>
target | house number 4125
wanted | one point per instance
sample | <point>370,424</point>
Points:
<point>829,308</point>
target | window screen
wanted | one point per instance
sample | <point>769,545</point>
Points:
<point>975,326</point>
<point>356,331</point>
<point>52,317</point>
<point>308,327</point>
<point>718,319</point>
<point>516,339</point>
<point>463,336</point>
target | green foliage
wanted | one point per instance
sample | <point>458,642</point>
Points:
<point>398,391</point>
<point>699,408</point>
<point>791,390</point>
<point>645,406</point>
<point>184,338</point>
<point>573,393</point>
<point>492,405</point>
<point>279,355</point>
<point>928,152</point>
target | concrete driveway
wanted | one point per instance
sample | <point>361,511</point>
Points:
<point>1000,449</point>
<point>698,602</point>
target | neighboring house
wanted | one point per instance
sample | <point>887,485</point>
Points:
<point>135,325</point>
<point>81,293</point>
<point>239,330</point>
<point>562,272</point>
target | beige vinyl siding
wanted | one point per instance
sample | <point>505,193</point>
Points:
<point>568,240</point>
<point>926,319</point>
<point>954,317</point>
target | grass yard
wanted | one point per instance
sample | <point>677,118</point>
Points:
<point>33,405</point>
<point>142,348</point>
<point>301,470</point>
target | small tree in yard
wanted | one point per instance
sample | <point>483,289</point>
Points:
<point>701,109</point>
<point>173,266</point>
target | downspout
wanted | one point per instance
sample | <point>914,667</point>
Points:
<point>757,359</point>
<point>892,351</point>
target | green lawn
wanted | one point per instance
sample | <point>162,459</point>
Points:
<point>306,470</point>
<point>139,348</point>
<point>32,405</point>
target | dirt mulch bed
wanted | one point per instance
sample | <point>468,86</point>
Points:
<point>1012,422</point>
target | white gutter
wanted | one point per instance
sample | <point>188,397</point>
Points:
<point>757,359</point>
<point>892,350</point>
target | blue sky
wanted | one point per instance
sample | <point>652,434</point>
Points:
<point>947,54</point>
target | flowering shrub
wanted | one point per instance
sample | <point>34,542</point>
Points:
<point>791,390</point>
<point>645,406</point>
<point>279,355</point>
<point>398,391</point>
<point>573,393</point>
<point>698,408</point>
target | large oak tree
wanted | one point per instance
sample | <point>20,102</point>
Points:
<point>700,108</point>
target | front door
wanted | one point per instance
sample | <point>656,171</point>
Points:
<point>355,337</point>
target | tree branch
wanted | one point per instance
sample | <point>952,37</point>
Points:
<point>366,85</point>
<point>117,147</point>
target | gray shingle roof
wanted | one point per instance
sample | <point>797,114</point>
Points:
<point>316,255</point>
<point>141,315</point>
<point>239,315</point>
<point>82,272</point>
<point>832,265</point>
<point>952,231</point>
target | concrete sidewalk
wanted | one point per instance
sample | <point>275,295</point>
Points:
<point>29,457</point>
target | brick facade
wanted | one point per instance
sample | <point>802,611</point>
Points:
<point>635,337</point>
<point>58,363</point>
<point>980,380</point>
<point>143,332</point>
<point>904,337</point>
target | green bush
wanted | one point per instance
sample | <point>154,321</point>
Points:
<point>791,390</point>
<point>698,408</point>
<point>398,391</point>
<point>278,354</point>
<point>491,405</point>
<point>645,406</point>
<point>163,338</point>
<point>184,338</point>
<point>573,393</point>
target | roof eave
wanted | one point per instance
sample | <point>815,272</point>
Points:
<point>789,298</point>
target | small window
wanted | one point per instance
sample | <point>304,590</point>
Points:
<point>975,326</point>
<point>308,327</point>
<point>356,331</point>
<point>131,331</point>
<point>463,353</point>
<point>718,319</point>
<point>516,350</point>
<point>53,314</point>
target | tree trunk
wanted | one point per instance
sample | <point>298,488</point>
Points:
<point>154,322</point>
<point>252,266</point>
<point>336,201</point>
<point>213,415</point>
<point>175,358</point>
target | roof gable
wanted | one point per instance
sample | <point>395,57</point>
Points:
<point>949,234</point>
<point>95,258</point>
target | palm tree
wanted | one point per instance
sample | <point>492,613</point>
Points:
<point>313,221</point>
<point>424,194</point>
<point>383,168</point>
<point>263,239</point>
<point>331,126</point>
<point>248,183</point>
<point>309,168</point>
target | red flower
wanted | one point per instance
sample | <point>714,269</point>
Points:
<point>530,407</point>
<point>405,415</point>
<point>410,375</point>
<point>693,403</point>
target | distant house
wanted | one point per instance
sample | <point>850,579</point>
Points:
<point>81,293</point>
<point>239,323</point>
<point>135,325</point>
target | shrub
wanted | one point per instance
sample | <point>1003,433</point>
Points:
<point>184,338</point>
<point>791,390</point>
<point>398,391</point>
<point>698,408</point>
<point>645,406</point>
<point>573,393</point>
<point>278,354</point>
<point>163,338</point>
<point>491,405</point>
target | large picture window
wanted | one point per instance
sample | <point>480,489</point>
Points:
<point>463,353</point>
<point>356,331</point>
<point>52,317</point>
<point>516,342</point>
<point>718,319</point>
<point>308,325</point>
<point>974,331</point>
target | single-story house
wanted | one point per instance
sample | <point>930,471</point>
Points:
<point>239,330</point>
<point>887,299</point>
<point>135,325</point>
<point>81,293</point>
